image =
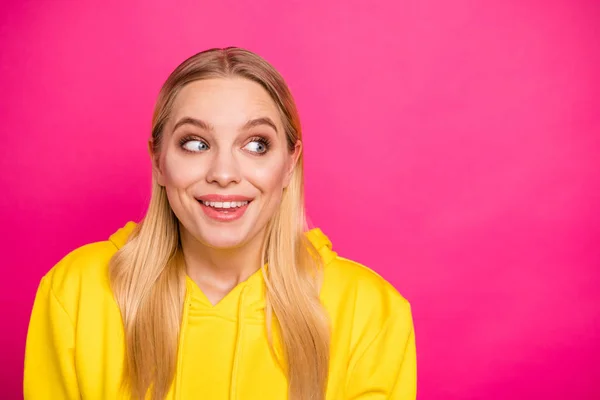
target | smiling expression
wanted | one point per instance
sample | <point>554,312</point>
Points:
<point>224,160</point>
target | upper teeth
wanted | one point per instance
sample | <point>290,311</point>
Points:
<point>224,204</point>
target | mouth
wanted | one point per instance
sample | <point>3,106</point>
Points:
<point>224,205</point>
<point>222,209</point>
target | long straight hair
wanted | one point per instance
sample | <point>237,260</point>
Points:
<point>148,274</point>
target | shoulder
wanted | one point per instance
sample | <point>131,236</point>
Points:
<point>86,261</point>
<point>353,284</point>
<point>83,270</point>
<point>350,288</point>
<point>360,304</point>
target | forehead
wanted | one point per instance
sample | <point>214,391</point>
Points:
<point>224,101</point>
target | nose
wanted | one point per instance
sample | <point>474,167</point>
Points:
<point>224,169</point>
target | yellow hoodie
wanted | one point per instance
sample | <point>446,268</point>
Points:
<point>75,343</point>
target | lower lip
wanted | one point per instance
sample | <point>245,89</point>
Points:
<point>224,214</point>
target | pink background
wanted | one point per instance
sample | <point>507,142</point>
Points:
<point>451,146</point>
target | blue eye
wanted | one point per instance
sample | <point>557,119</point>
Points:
<point>258,145</point>
<point>194,145</point>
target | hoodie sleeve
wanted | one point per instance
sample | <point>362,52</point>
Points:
<point>49,353</point>
<point>387,367</point>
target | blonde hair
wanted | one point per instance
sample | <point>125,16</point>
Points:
<point>148,275</point>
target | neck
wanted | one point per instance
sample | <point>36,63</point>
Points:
<point>221,269</point>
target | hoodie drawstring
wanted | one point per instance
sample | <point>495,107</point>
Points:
<point>237,352</point>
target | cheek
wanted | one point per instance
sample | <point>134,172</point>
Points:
<point>181,172</point>
<point>268,178</point>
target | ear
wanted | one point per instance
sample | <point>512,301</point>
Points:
<point>156,168</point>
<point>293,160</point>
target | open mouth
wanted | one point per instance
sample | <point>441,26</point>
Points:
<point>224,206</point>
<point>224,211</point>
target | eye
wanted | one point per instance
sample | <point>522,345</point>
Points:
<point>258,145</point>
<point>194,145</point>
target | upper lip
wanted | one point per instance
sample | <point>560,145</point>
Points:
<point>223,198</point>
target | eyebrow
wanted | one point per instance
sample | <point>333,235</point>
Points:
<point>260,121</point>
<point>193,121</point>
<point>208,127</point>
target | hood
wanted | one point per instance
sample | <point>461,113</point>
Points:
<point>318,239</point>
<point>119,238</point>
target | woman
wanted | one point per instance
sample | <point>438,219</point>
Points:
<point>220,292</point>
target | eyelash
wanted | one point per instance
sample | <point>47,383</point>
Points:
<point>190,138</point>
<point>260,139</point>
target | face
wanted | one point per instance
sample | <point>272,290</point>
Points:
<point>224,161</point>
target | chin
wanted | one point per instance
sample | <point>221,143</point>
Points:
<point>223,237</point>
<point>223,243</point>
